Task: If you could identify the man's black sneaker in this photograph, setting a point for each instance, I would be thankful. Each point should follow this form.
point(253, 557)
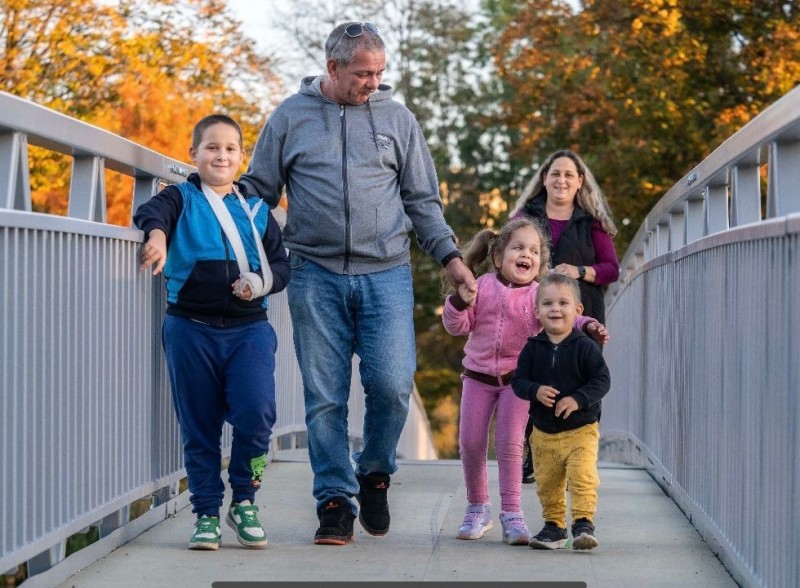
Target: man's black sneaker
point(374, 512)
point(583, 535)
point(335, 522)
point(550, 537)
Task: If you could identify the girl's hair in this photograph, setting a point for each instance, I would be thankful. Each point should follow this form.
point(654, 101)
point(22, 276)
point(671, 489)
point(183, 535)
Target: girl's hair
point(560, 280)
point(480, 252)
point(211, 120)
point(590, 197)
point(341, 47)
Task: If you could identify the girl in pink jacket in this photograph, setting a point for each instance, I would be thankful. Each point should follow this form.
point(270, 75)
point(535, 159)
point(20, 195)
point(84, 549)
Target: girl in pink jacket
point(498, 317)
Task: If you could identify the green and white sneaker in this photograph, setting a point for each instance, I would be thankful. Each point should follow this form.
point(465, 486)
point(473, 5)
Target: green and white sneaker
point(206, 534)
point(243, 518)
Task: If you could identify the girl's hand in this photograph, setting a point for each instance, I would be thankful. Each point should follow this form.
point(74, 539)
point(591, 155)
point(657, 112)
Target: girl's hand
point(547, 395)
point(598, 332)
point(467, 294)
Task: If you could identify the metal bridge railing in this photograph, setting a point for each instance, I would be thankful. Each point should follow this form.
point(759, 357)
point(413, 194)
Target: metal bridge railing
point(88, 427)
point(704, 351)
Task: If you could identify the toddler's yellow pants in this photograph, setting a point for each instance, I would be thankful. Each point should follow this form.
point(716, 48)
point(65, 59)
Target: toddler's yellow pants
point(562, 458)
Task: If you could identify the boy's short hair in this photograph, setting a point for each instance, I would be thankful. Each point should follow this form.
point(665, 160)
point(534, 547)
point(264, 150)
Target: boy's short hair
point(559, 280)
point(210, 121)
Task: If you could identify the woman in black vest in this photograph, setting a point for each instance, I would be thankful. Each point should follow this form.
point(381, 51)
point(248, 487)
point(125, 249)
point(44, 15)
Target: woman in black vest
point(565, 194)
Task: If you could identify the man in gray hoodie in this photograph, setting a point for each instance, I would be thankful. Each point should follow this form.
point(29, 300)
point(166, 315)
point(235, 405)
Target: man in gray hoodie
point(358, 177)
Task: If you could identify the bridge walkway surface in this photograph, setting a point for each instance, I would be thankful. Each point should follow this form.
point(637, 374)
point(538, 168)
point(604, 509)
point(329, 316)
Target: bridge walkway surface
point(645, 540)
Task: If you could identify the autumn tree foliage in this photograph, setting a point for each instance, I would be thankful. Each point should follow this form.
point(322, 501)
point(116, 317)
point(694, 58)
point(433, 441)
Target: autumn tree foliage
point(142, 69)
point(643, 89)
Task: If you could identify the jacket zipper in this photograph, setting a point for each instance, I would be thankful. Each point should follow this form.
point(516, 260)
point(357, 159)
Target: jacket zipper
point(345, 191)
point(553, 365)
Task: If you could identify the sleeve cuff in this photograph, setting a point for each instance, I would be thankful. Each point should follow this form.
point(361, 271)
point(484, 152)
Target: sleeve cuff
point(458, 302)
point(449, 257)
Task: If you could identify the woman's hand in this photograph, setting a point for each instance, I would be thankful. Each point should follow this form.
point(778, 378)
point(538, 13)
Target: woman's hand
point(566, 269)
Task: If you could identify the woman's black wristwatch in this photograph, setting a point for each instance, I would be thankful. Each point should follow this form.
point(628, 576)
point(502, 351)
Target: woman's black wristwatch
point(581, 272)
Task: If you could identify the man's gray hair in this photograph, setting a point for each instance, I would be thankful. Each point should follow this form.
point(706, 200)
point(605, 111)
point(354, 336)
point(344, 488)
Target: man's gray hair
point(341, 47)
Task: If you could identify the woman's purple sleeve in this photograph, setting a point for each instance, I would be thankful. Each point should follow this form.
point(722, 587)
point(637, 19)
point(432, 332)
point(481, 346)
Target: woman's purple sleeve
point(607, 266)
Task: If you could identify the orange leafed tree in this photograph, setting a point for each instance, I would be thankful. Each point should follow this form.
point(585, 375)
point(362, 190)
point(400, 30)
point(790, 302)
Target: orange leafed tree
point(144, 70)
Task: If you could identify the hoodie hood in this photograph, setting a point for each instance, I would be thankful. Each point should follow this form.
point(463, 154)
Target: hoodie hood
point(312, 86)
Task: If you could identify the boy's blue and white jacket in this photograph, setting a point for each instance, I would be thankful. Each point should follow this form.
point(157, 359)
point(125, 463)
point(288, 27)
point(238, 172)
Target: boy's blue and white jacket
point(201, 265)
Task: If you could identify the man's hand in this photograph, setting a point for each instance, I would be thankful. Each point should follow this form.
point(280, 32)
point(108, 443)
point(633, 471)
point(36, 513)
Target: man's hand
point(459, 275)
point(467, 295)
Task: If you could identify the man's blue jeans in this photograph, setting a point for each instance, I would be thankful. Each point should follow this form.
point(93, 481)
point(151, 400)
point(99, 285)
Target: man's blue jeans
point(333, 317)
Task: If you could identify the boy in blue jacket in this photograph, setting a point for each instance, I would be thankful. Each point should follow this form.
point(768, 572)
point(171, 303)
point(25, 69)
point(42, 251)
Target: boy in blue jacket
point(563, 373)
point(222, 253)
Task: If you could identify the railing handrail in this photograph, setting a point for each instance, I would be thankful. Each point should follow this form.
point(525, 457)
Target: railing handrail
point(63, 134)
point(708, 199)
point(93, 151)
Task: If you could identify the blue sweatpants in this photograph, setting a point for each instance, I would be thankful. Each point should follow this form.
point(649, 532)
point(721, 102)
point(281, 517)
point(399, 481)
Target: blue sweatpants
point(217, 375)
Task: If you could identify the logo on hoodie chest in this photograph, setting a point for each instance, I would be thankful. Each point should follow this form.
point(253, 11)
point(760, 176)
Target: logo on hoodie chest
point(383, 141)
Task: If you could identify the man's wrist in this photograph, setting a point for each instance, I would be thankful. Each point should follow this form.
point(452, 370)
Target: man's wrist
point(450, 257)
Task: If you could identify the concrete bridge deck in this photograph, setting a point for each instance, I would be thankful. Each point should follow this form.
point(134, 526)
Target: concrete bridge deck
point(645, 540)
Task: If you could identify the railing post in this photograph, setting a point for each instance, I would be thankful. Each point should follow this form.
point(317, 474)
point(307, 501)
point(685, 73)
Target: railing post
point(144, 188)
point(716, 219)
point(694, 216)
point(662, 238)
point(87, 191)
point(783, 172)
point(745, 195)
point(677, 230)
point(15, 185)
point(650, 249)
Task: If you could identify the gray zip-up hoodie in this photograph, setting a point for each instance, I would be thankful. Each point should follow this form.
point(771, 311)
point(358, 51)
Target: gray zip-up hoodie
point(358, 178)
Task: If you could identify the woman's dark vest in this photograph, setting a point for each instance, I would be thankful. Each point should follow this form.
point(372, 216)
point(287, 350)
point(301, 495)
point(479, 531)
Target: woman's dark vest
point(575, 247)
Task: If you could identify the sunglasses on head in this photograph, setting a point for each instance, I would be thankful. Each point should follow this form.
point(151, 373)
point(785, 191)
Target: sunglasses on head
point(356, 30)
